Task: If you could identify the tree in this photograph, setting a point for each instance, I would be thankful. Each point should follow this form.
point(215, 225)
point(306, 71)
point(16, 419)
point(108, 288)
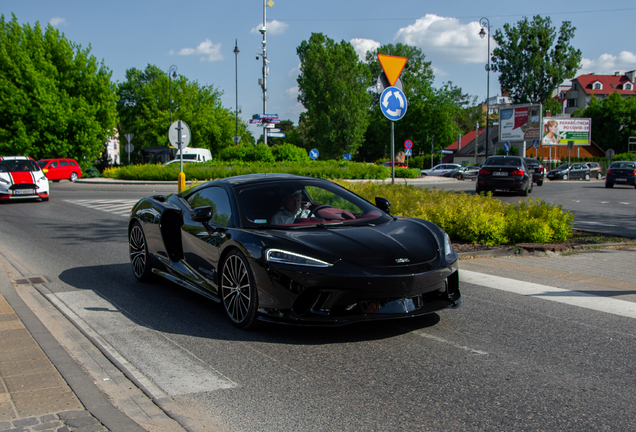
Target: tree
point(144, 110)
point(333, 88)
point(55, 99)
point(613, 121)
point(431, 113)
point(530, 63)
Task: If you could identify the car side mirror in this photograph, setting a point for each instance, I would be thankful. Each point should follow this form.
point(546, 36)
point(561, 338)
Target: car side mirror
point(383, 204)
point(201, 214)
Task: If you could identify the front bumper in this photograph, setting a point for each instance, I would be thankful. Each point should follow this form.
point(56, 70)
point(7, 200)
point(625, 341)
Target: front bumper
point(332, 300)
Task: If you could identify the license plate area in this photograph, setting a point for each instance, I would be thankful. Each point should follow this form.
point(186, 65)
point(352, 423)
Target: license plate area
point(500, 173)
point(23, 192)
point(621, 179)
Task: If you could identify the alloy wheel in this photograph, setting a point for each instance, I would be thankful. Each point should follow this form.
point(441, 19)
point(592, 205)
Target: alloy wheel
point(237, 291)
point(138, 252)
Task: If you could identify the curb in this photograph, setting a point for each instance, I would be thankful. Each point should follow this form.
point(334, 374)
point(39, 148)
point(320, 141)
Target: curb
point(533, 248)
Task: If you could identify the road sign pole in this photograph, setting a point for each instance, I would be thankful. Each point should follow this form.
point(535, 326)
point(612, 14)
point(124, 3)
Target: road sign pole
point(392, 153)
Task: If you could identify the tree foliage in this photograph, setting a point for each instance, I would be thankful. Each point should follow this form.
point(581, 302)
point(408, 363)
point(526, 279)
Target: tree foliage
point(432, 113)
point(613, 121)
point(333, 88)
point(144, 110)
point(532, 60)
point(55, 99)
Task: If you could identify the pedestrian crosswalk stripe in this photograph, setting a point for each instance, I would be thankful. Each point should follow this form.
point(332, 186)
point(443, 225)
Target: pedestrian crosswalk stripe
point(120, 207)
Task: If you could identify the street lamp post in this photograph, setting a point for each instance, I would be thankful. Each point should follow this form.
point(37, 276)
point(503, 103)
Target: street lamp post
point(486, 23)
point(236, 52)
point(172, 73)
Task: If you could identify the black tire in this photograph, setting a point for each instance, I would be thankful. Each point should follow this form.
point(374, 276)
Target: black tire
point(587, 177)
point(138, 253)
point(599, 176)
point(530, 189)
point(525, 192)
point(609, 185)
point(45, 199)
point(73, 177)
point(540, 183)
point(459, 177)
point(565, 176)
point(238, 291)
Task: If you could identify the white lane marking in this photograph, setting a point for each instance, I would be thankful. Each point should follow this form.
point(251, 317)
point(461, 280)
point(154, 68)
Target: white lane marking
point(173, 369)
point(117, 207)
point(604, 202)
point(592, 223)
point(442, 340)
point(624, 203)
point(574, 298)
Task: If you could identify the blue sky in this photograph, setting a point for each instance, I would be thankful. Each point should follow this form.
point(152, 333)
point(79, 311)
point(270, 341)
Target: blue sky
point(199, 37)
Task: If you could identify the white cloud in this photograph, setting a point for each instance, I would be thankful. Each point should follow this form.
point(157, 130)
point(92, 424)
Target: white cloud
point(291, 93)
point(363, 45)
point(57, 22)
point(210, 51)
point(295, 111)
point(273, 28)
point(446, 40)
point(294, 72)
point(607, 64)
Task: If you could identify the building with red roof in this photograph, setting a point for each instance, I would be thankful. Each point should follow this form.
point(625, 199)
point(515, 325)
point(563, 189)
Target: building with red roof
point(601, 86)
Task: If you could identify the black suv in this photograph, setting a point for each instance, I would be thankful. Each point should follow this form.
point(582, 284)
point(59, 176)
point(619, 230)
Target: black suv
point(505, 173)
point(537, 169)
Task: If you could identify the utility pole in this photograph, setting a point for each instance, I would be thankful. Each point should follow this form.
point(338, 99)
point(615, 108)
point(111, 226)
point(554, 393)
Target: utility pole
point(265, 67)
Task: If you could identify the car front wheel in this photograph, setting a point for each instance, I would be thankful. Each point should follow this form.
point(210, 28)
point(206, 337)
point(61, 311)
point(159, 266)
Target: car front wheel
point(565, 176)
point(238, 291)
point(73, 177)
point(587, 176)
point(138, 252)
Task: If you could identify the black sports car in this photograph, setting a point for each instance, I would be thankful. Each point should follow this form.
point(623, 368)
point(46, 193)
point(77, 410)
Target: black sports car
point(294, 249)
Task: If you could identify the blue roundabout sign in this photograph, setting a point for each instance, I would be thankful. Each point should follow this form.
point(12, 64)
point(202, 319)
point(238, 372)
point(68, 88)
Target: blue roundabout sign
point(393, 103)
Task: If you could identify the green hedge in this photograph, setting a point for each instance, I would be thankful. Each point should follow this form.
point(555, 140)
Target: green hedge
point(220, 169)
point(474, 218)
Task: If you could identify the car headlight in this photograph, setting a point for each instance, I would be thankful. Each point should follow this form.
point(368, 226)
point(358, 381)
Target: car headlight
point(448, 248)
point(286, 257)
point(4, 181)
point(43, 178)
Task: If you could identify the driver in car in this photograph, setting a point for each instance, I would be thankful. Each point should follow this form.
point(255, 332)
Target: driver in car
point(291, 209)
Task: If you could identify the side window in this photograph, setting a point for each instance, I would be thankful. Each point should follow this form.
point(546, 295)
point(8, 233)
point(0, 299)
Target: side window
point(216, 198)
point(53, 164)
point(72, 163)
point(63, 163)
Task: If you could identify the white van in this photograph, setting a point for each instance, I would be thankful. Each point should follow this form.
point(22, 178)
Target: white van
point(194, 155)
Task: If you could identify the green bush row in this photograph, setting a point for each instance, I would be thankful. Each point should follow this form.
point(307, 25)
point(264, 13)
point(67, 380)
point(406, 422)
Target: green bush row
point(474, 218)
point(220, 169)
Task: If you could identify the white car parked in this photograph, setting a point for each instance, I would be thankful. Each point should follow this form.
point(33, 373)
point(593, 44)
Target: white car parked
point(22, 178)
point(440, 169)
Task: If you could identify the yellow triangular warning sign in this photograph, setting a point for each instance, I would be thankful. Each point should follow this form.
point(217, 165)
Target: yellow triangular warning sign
point(392, 66)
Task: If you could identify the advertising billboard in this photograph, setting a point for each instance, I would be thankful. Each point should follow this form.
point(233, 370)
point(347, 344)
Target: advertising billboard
point(520, 123)
point(560, 131)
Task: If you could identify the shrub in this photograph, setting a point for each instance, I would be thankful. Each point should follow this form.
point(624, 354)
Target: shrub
point(290, 153)
point(473, 218)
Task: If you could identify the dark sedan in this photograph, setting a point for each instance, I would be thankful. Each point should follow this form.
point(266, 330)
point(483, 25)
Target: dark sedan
point(570, 171)
point(538, 170)
point(463, 173)
point(293, 249)
point(509, 173)
point(621, 173)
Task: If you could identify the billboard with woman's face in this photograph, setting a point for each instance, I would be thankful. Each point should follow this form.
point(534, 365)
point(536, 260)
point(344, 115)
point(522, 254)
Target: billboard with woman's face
point(560, 131)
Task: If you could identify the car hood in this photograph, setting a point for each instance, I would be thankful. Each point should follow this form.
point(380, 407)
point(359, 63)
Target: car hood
point(400, 242)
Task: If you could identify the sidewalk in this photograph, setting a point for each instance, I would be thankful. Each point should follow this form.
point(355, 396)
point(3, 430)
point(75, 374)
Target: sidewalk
point(49, 386)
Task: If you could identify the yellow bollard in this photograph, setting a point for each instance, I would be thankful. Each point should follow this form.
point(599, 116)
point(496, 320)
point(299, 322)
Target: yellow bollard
point(181, 180)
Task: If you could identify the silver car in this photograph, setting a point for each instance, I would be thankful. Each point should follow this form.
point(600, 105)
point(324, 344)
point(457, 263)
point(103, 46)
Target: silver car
point(440, 169)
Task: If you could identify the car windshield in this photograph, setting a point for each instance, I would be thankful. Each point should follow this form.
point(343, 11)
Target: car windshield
point(503, 161)
point(532, 162)
point(563, 167)
point(20, 165)
point(627, 165)
point(317, 203)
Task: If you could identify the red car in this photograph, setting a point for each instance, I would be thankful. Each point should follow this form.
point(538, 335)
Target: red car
point(397, 164)
point(60, 169)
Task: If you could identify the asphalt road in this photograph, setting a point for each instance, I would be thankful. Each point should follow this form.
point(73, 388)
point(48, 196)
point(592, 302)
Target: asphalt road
point(500, 362)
